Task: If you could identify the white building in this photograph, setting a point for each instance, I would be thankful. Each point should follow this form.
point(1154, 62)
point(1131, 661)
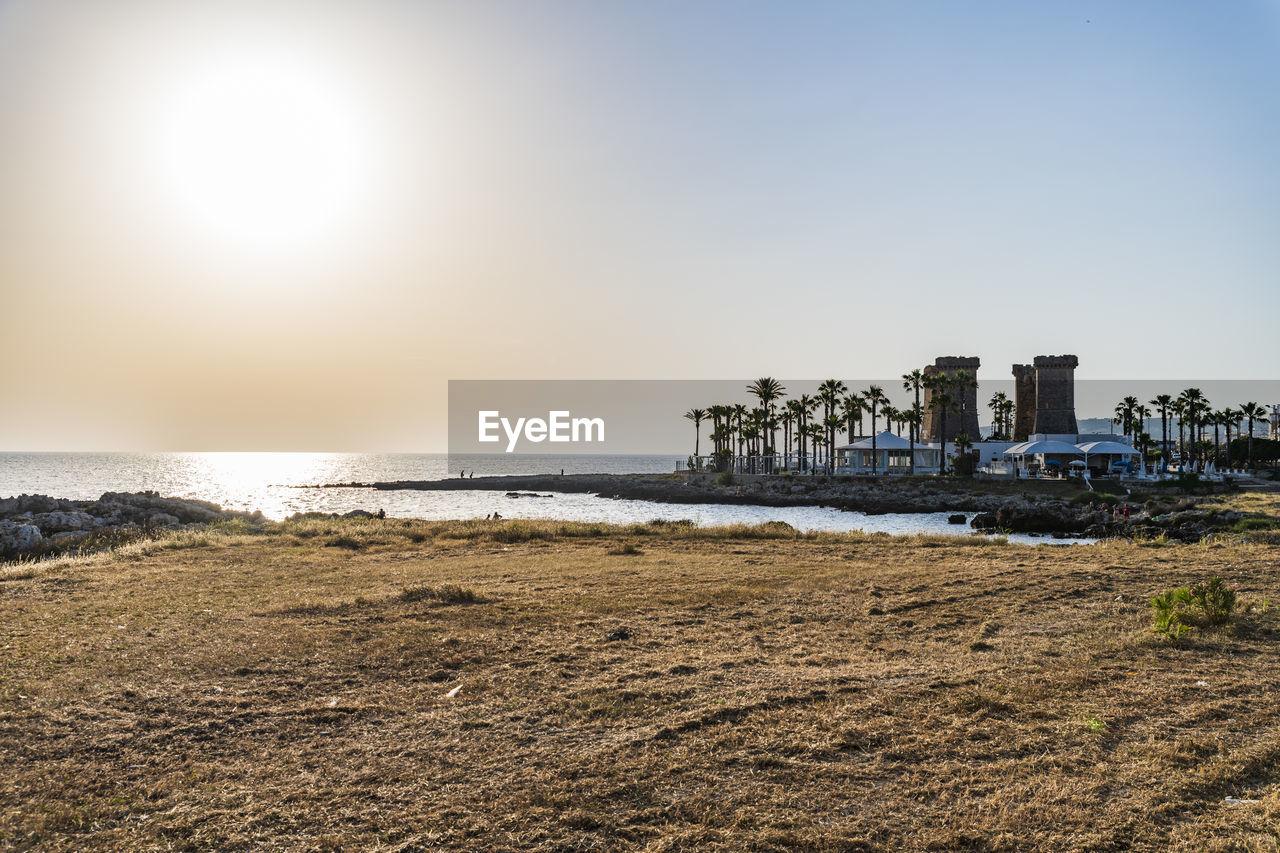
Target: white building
point(892, 455)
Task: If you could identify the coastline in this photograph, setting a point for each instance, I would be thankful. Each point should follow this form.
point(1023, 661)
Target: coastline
point(1056, 507)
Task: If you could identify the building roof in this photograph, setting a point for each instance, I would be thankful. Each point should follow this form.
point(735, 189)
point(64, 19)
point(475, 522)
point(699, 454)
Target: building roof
point(1113, 447)
point(884, 441)
point(1028, 448)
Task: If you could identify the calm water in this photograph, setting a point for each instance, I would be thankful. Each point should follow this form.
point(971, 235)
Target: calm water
point(281, 484)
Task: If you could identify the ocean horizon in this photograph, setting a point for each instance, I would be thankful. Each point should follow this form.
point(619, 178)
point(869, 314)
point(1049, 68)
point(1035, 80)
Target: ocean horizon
point(281, 484)
point(272, 481)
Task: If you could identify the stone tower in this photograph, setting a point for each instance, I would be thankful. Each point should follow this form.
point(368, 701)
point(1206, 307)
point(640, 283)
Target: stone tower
point(1024, 401)
point(1055, 395)
point(966, 401)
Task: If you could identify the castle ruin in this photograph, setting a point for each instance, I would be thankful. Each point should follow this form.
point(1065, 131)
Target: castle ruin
point(1024, 400)
point(962, 417)
point(1045, 397)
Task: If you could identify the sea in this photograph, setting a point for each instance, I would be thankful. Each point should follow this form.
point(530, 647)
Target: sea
point(281, 484)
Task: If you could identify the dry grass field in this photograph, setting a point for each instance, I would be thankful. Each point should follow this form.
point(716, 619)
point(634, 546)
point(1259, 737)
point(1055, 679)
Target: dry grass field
point(396, 685)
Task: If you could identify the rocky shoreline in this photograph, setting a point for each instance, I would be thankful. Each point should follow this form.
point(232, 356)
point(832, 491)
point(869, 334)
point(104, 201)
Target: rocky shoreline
point(39, 523)
point(1061, 509)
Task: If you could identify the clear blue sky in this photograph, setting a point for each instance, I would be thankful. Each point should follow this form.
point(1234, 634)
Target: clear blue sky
point(612, 190)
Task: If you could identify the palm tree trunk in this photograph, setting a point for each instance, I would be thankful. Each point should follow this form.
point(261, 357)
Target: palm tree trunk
point(942, 414)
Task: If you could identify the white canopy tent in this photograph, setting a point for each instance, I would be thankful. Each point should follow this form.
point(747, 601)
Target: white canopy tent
point(1107, 448)
point(892, 455)
point(1019, 453)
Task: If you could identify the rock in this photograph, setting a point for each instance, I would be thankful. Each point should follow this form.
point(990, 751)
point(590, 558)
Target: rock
point(358, 513)
point(620, 634)
point(17, 536)
point(984, 521)
point(162, 519)
point(60, 521)
point(956, 518)
point(32, 504)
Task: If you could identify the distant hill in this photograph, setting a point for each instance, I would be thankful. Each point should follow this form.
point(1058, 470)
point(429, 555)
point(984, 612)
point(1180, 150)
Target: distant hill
point(1100, 425)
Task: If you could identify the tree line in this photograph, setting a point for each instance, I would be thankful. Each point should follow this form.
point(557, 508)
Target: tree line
point(1194, 416)
point(810, 423)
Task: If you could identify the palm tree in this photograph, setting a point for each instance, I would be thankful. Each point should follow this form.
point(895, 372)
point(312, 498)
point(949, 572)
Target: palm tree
point(1007, 410)
point(914, 417)
point(850, 410)
point(739, 412)
point(1230, 419)
point(1163, 402)
point(806, 405)
point(697, 416)
point(1124, 414)
point(937, 383)
point(767, 390)
point(787, 417)
point(1140, 415)
point(720, 434)
point(997, 406)
point(962, 381)
point(861, 410)
point(963, 445)
point(795, 409)
point(1214, 419)
point(831, 424)
point(874, 397)
point(816, 431)
point(914, 381)
point(1252, 411)
point(1195, 404)
point(829, 393)
point(943, 402)
point(750, 433)
point(1143, 442)
point(1179, 410)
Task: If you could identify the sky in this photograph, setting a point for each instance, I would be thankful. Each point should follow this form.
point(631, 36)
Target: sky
point(285, 226)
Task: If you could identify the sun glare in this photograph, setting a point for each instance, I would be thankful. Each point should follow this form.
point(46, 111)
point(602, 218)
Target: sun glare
point(264, 152)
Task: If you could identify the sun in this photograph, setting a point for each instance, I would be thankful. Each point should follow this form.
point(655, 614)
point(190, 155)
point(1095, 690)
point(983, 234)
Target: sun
point(262, 151)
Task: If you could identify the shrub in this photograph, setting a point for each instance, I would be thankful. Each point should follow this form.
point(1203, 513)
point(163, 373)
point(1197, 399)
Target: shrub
point(1246, 525)
point(1205, 604)
point(627, 550)
point(725, 479)
point(450, 593)
point(1169, 609)
point(1214, 600)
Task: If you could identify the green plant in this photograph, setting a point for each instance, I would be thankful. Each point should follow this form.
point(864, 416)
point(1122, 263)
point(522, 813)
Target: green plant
point(1246, 525)
point(1214, 600)
point(1205, 604)
point(725, 479)
point(1170, 607)
point(1096, 725)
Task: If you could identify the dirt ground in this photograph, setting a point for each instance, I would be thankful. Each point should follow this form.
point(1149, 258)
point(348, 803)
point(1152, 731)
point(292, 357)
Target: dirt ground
point(397, 685)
